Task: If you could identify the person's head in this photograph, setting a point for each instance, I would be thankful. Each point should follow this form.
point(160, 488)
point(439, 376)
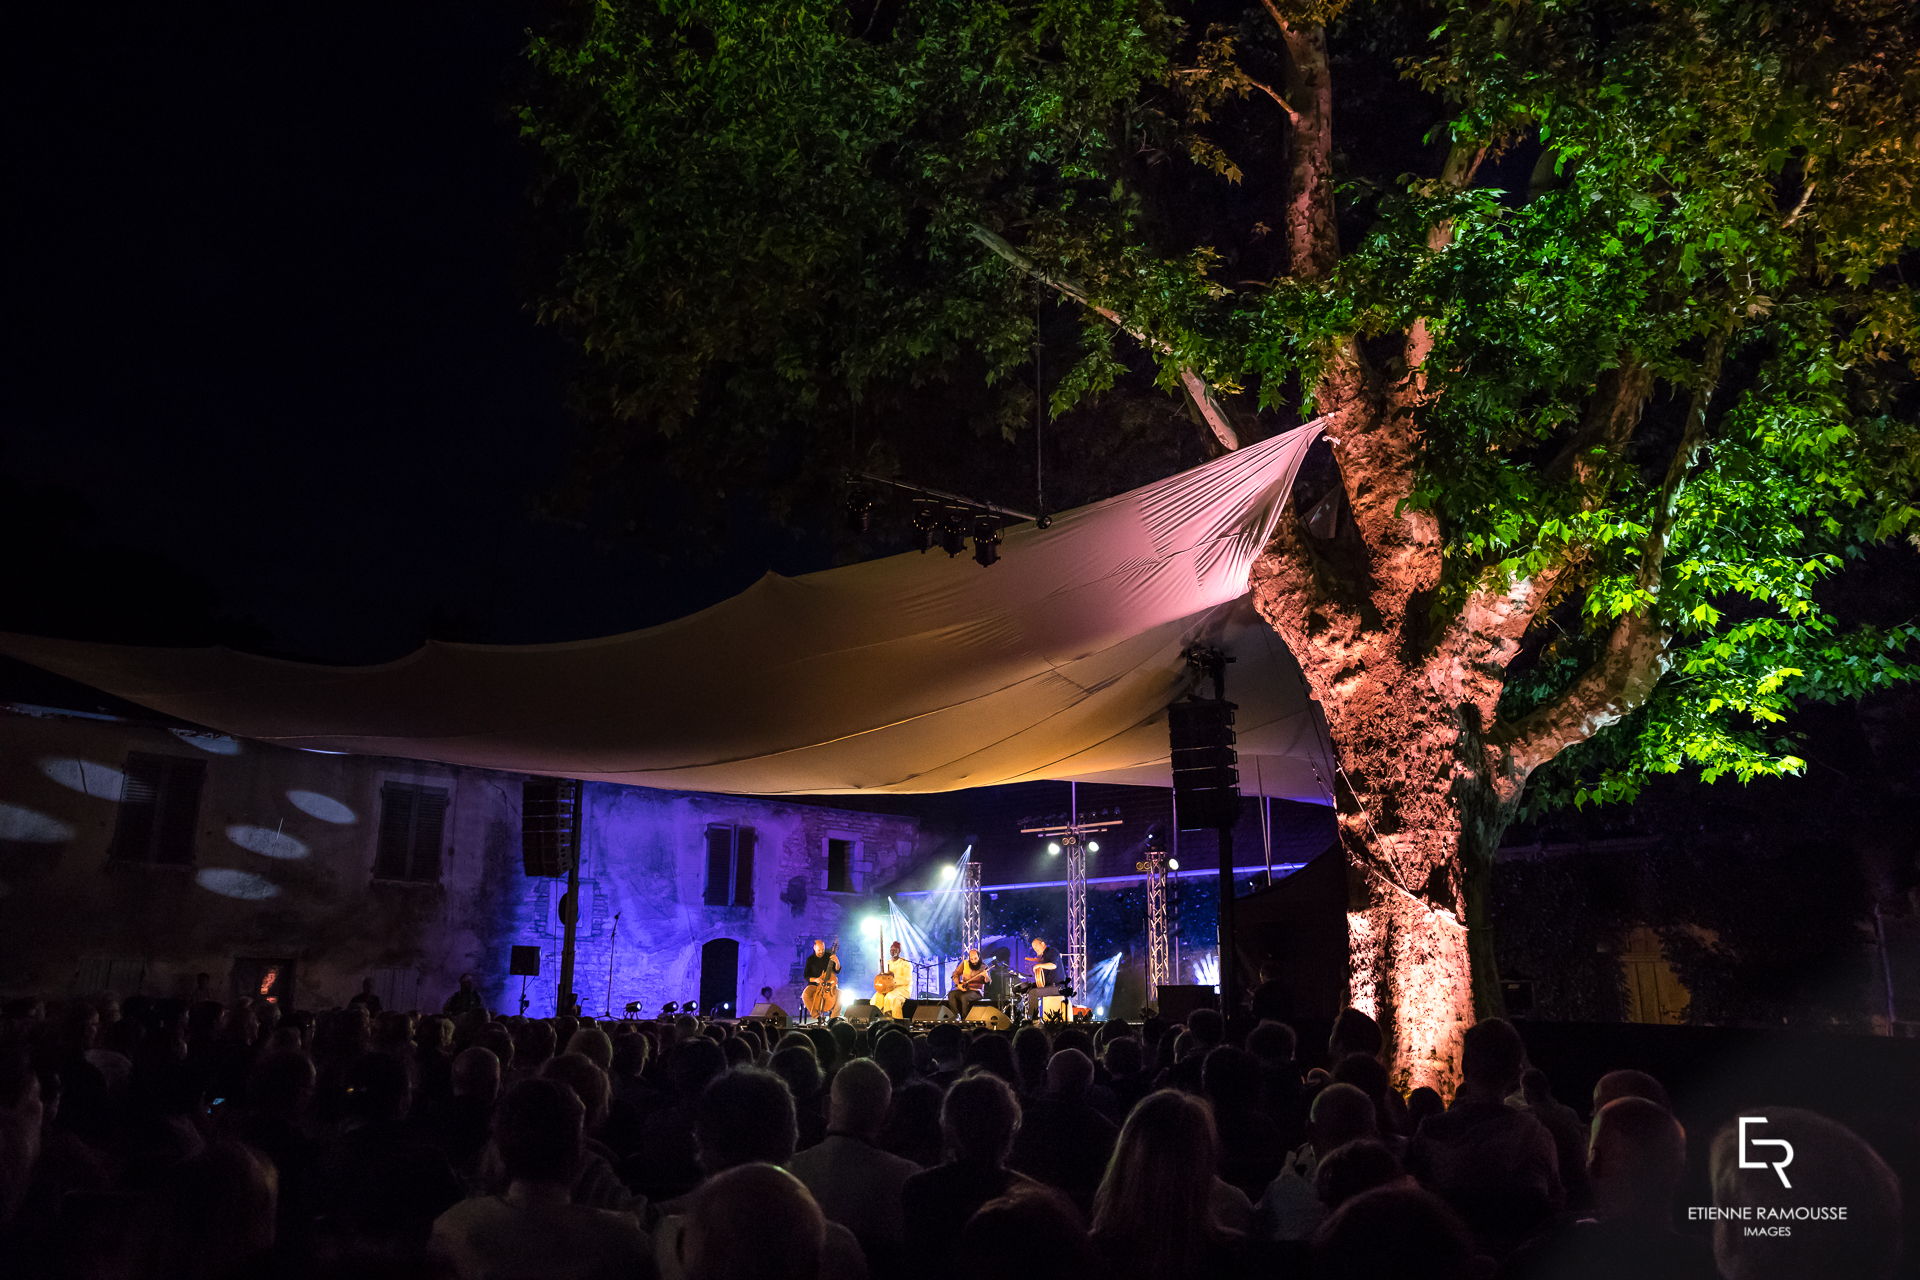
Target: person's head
point(1422, 1104)
point(1124, 1057)
point(497, 1040)
point(366, 984)
point(979, 1118)
point(745, 1117)
point(945, 1039)
point(466, 981)
point(861, 1095)
point(379, 1088)
point(630, 1053)
point(1629, 1084)
point(1030, 1050)
point(1340, 1114)
point(1230, 1078)
point(1273, 1043)
point(1535, 1088)
point(1353, 1032)
point(1051, 1240)
point(1039, 945)
point(893, 1053)
point(1355, 1167)
point(1069, 1075)
point(894, 951)
point(819, 946)
point(800, 1068)
point(754, 1222)
point(1635, 1156)
point(588, 1082)
point(222, 1208)
point(1827, 1164)
point(1207, 1028)
point(281, 1084)
point(1492, 1057)
point(973, 956)
point(535, 1043)
point(593, 1044)
point(1155, 1200)
point(686, 1026)
point(1393, 1231)
point(540, 1130)
point(692, 1064)
point(476, 1074)
point(993, 1052)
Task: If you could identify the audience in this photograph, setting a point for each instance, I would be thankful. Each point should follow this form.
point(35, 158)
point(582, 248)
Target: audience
point(207, 1141)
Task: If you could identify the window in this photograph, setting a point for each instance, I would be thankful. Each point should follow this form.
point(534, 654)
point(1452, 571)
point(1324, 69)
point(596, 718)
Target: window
point(413, 823)
point(260, 978)
point(159, 810)
point(729, 866)
point(839, 866)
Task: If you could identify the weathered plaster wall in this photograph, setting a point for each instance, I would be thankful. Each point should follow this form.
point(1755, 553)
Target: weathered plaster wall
point(284, 847)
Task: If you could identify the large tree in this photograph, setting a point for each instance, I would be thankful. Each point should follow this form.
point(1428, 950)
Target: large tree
point(1602, 304)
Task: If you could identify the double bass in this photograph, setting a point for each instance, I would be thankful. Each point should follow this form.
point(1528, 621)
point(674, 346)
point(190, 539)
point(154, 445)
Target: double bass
point(822, 995)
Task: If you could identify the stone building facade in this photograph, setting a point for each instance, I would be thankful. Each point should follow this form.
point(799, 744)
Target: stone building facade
point(136, 855)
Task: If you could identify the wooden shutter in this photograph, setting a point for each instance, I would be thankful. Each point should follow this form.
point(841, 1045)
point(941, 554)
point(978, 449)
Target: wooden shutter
point(396, 831)
point(159, 809)
point(139, 807)
point(429, 833)
point(179, 811)
point(719, 866)
point(743, 866)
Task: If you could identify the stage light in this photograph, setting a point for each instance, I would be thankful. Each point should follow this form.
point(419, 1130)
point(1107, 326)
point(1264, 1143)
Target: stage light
point(727, 1007)
point(859, 512)
point(689, 1006)
point(1093, 846)
point(949, 871)
point(669, 1007)
point(1053, 847)
point(1173, 864)
point(953, 537)
point(874, 926)
point(986, 542)
point(924, 523)
point(1101, 1012)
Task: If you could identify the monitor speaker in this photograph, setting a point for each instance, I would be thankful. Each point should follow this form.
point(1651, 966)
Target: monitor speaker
point(525, 962)
point(989, 1017)
point(771, 1012)
point(861, 1011)
point(931, 1011)
point(1176, 1002)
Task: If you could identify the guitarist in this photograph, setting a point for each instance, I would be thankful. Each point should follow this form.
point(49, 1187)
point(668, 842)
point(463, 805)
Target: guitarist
point(1046, 976)
point(822, 970)
point(969, 979)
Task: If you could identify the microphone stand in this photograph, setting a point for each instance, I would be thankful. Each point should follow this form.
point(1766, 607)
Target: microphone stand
point(613, 945)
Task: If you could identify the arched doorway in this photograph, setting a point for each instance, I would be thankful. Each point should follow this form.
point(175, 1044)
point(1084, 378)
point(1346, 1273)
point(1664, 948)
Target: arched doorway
point(720, 976)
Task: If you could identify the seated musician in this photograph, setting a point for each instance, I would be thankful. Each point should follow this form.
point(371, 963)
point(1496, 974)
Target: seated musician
point(969, 980)
point(1046, 976)
point(820, 967)
point(892, 1003)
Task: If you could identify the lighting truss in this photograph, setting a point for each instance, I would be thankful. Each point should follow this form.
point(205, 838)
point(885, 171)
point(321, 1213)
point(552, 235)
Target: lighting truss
point(1159, 959)
point(969, 907)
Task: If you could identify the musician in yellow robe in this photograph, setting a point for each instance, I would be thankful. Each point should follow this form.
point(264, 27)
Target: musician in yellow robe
point(892, 1003)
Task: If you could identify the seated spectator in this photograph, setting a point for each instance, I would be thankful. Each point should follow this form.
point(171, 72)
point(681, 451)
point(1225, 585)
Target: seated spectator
point(221, 1211)
point(978, 1121)
point(1393, 1232)
point(855, 1183)
point(1369, 1075)
point(667, 1165)
point(1124, 1061)
point(1048, 1232)
point(1275, 1048)
point(1355, 1167)
point(755, 1222)
point(1157, 1215)
point(1569, 1135)
point(1291, 1207)
point(1629, 1084)
point(801, 1070)
point(912, 1131)
point(593, 1044)
point(534, 1230)
point(1831, 1166)
point(463, 1123)
point(993, 1052)
point(1064, 1141)
point(1422, 1103)
point(1250, 1150)
point(946, 1045)
point(746, 1117)
point(1638, 1155)
point(1494, 1164)
point(596, 1184)
point(380, 1179)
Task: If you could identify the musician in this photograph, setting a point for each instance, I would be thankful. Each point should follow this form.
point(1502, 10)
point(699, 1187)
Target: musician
point(819, 965)
point(969, 979)
point(892, 1004)
point(1046, 976)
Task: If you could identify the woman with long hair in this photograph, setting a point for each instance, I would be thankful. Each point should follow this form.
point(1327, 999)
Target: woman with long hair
point(1155, 1214)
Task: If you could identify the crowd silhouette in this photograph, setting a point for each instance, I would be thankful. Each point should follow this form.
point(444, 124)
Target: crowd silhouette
point(196, 1140)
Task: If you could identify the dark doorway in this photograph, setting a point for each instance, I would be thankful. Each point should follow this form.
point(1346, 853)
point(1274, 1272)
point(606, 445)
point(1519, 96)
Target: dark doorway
point(720, 976)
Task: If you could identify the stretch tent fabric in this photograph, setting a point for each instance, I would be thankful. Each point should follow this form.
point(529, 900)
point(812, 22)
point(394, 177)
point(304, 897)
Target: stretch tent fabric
point(913, 673)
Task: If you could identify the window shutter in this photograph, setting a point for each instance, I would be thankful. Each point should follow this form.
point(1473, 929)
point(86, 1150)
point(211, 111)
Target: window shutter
point(178, 812)
point(743, 866)
point(719, 866)
point(396, 831)
point(139, 806)
point(429, 833)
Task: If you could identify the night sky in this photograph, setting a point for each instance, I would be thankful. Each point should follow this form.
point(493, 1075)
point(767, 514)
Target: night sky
point(280, 385)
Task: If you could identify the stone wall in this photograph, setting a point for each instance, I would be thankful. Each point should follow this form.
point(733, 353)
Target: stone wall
point(281, 879)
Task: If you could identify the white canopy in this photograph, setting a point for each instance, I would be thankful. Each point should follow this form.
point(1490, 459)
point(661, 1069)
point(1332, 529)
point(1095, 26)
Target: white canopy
point(917, 672)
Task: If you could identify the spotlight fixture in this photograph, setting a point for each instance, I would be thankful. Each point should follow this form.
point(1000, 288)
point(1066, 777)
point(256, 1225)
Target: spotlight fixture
point(667, 1008)
point(689, 1006)
point(948, 872)
point(1093, 846)
point(859, 511)
point(1173, 864)
point(1053, 847)
point(953, 536)
point(986, 542)
point(925, 521)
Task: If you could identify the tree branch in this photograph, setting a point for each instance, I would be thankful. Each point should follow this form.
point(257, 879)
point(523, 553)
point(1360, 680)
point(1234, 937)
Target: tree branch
point(1199, 394)
point(1457, 173)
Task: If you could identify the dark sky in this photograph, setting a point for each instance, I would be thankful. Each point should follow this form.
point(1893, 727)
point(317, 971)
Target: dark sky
point(279, 384)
